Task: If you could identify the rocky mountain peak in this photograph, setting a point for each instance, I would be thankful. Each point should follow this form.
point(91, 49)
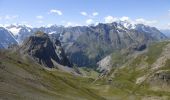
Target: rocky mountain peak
point(45, 51)
point(6, 38)
point(40, 34)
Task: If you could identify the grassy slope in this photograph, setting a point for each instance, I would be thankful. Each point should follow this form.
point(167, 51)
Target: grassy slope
point(123, 85)
point(27, 80)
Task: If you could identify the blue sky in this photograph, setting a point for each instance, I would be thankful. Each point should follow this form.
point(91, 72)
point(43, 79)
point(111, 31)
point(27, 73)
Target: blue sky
point(84, 12)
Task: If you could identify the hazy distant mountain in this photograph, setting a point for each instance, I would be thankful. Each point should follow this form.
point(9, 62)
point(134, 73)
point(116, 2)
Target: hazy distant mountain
point(166, 32)
point(70, 34)
point(20, 32)
point(6, 38)
point(86, 45)
point(151, 31)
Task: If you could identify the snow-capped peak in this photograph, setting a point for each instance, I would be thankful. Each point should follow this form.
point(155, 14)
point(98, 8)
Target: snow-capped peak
point(15, 31)
point(127, 24)
point(52, 32)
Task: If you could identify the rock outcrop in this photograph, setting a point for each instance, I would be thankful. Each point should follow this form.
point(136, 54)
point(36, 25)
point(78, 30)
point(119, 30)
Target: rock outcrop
point(45, 51)
point(105, 64)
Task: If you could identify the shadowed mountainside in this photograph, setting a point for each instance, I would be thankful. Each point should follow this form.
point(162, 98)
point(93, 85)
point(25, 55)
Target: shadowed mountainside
point(45, 50)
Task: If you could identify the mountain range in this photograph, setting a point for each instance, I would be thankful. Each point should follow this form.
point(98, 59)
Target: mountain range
point(115, 61)
point(87, 45)
point(34, 70)
point(68, 34)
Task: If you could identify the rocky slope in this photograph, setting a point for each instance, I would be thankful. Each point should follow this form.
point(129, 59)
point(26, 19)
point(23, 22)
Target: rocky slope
point(120, 57)
point(45, 51)
point(22, 78)
point(142, 75)
point(103, 39)
point(138, 72)
point(139, 75)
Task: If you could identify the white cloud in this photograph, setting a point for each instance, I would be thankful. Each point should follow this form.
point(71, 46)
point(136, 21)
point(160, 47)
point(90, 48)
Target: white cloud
point(1, 25)
point(55, 11)
point(24, 22)
point(96, 23)
point(28, 25)
point(146, 22)
point(40, 21)
point(39, 17)
point(163, 26)
point(89, 21)
point(89, 15)
point(83, 13)
point(95, 13)
point(169, 25)
point(110, 19)
point(15, 16)
point(49, 25)
point(68, 24)
point(124, 18)
point(8, 17)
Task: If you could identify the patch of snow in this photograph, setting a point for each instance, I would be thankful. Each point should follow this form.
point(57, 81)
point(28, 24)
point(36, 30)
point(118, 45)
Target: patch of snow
point(29, 30)
point(52, 32)
point(117, 31)
point(133, 26)
point(1, 25)
point(14, 30)
point(119, 27)
point(27, 25)
point(61, 35)
point(126, 25)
